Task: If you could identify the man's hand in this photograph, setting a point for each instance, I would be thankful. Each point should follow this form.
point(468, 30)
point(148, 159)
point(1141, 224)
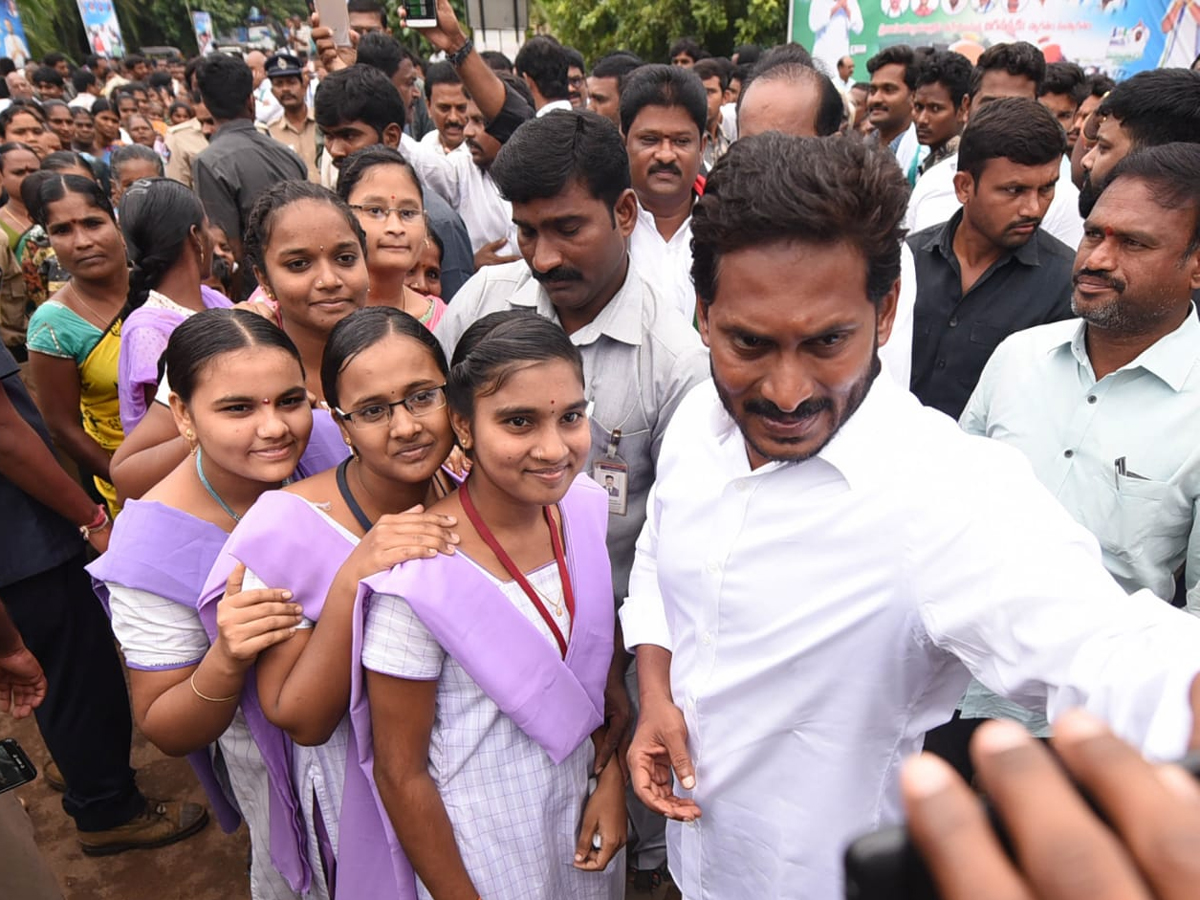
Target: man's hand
point(333, 57)
point(660, 746)
point(618, 713)
point(447, 35)
point(489, 254)
point(1151, 849)
point(22, 683)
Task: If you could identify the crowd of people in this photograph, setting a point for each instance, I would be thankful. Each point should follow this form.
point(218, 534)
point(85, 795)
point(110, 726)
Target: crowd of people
point(540, 479)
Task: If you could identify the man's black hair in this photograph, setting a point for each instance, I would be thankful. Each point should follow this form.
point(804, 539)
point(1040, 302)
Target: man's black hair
point(747, 54)
point(1159, 106)
point(773, 187)
point(1017, 58)
point(1014, 128)
point(1172, 173)
point(161, 79)
point(91, 60)
point(1095, 85)
point(54, 58)
point(358, 94)
point(82, 79)
point(710, 68)
point(949, 69)
point(662, 85)
point(575, 58)
point(1063, 78)
point(791, 63)
point(368, 6)
point(546, 155)
point(896, 55)
point(47, 75)
point(439, 73)
point(616, 65)
point(686, 46)
point(497, 61)
point(381, 51)
point(226, 84)
point(544, 61)
point(134, 59)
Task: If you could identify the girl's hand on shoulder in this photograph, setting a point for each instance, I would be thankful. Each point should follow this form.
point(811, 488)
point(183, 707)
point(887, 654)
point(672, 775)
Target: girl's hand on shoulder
point(248, 622)
point(399, 537)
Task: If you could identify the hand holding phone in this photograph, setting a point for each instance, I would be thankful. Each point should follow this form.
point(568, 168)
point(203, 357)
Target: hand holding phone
point(15, 767)
point(420, 13)
point(1101, 810)
point(336, 17)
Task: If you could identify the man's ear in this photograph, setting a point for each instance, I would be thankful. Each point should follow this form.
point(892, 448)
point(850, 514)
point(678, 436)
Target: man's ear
point(391, 135)
point(625, 212)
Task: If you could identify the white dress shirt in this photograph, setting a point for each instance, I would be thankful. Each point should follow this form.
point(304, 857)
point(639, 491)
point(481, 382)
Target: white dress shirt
point(933, 201)
point(665, 264)
point(553, 105)
point(823, 615)
point(1146, 413)
point(467, 188)
point(433, 139)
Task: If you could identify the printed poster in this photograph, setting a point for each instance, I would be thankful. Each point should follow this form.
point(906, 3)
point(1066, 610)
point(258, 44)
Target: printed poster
point(202, 24)
point(16, 47)
point(103, 30)
point(1120, 37)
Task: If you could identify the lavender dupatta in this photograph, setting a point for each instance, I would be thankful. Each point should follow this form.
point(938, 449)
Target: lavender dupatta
point(165, 551)
point(287, 544)
point(557, 703)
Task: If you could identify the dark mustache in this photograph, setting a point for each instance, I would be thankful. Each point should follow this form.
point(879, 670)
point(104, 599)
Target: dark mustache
point(1115, 283)
point(805, 410)
point(559, 274)
point(665, 167)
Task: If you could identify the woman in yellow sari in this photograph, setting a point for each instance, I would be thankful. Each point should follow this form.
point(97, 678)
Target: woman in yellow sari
point(74, 337)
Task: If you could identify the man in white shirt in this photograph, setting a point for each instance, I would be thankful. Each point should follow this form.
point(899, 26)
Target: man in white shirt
point(542, 63)
point(267, 109)
point(825, 562)
point(1004, 70)
point(1116, 429)
point(663, 114)
point(832, 22)
point(889, 106)
point(448, 104)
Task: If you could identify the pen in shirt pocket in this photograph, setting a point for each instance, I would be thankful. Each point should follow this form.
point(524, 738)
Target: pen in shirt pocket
point(1120, 469)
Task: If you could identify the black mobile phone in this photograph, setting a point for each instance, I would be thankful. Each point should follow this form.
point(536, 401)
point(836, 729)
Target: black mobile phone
point(15, 767)
point(885, 865)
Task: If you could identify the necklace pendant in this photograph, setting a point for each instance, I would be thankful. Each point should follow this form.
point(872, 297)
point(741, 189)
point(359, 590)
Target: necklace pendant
point(558, 611)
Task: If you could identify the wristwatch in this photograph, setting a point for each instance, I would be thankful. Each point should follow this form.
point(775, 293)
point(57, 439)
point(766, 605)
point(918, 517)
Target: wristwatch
point(459, 56)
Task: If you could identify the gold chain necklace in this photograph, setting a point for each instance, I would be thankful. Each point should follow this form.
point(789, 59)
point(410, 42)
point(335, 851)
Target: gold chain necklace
point(98, 317)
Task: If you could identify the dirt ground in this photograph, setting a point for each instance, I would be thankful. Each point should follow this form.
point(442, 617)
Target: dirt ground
point(208, 866)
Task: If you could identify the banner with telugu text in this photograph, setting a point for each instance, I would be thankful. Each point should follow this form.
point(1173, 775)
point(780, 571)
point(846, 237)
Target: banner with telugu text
point(103, 29)
point(1119, 37)
point(16, 47)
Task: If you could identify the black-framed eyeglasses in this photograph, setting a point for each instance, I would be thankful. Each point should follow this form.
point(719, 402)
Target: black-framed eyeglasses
point(418, 404)
point(380, 213)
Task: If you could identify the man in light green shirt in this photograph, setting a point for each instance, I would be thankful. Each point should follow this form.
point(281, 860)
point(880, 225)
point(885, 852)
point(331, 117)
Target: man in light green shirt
point(1107, 407)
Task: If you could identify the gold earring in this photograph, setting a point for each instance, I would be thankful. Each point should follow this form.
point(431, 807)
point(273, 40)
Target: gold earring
point(190, 437)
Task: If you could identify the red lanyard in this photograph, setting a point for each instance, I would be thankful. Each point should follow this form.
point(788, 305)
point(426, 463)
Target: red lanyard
point(560, 558)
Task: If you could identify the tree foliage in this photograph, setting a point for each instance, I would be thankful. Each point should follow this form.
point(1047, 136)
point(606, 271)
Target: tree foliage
point(55, 24)
point(647, 27)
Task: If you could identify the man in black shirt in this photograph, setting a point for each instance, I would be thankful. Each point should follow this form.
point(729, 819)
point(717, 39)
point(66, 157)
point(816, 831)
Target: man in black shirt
point(991, 270)
point(239, 161)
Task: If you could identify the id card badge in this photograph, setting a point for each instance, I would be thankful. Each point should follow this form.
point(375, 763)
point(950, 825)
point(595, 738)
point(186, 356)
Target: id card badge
point(611, 472)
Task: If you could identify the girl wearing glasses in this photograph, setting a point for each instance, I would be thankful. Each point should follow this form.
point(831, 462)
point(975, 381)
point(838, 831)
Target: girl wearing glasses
point(385, 193)
point(384, 376)
point(483, 672)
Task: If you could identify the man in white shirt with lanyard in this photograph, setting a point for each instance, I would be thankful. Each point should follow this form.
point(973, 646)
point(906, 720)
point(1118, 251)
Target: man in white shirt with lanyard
point(825, 562)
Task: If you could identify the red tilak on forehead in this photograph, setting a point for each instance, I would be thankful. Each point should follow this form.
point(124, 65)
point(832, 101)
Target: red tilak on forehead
point(1108, 232)
point(266, 400)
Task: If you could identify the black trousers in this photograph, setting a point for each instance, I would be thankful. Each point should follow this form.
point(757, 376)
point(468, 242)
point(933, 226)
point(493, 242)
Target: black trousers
point(85, 718)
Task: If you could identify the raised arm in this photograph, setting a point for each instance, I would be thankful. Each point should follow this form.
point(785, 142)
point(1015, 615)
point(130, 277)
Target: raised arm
point(148, 453)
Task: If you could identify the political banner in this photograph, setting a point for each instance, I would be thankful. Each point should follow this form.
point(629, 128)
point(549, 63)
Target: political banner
point(16, 47)
point(202, 25)
point(103, 30)
point(1119, 37)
